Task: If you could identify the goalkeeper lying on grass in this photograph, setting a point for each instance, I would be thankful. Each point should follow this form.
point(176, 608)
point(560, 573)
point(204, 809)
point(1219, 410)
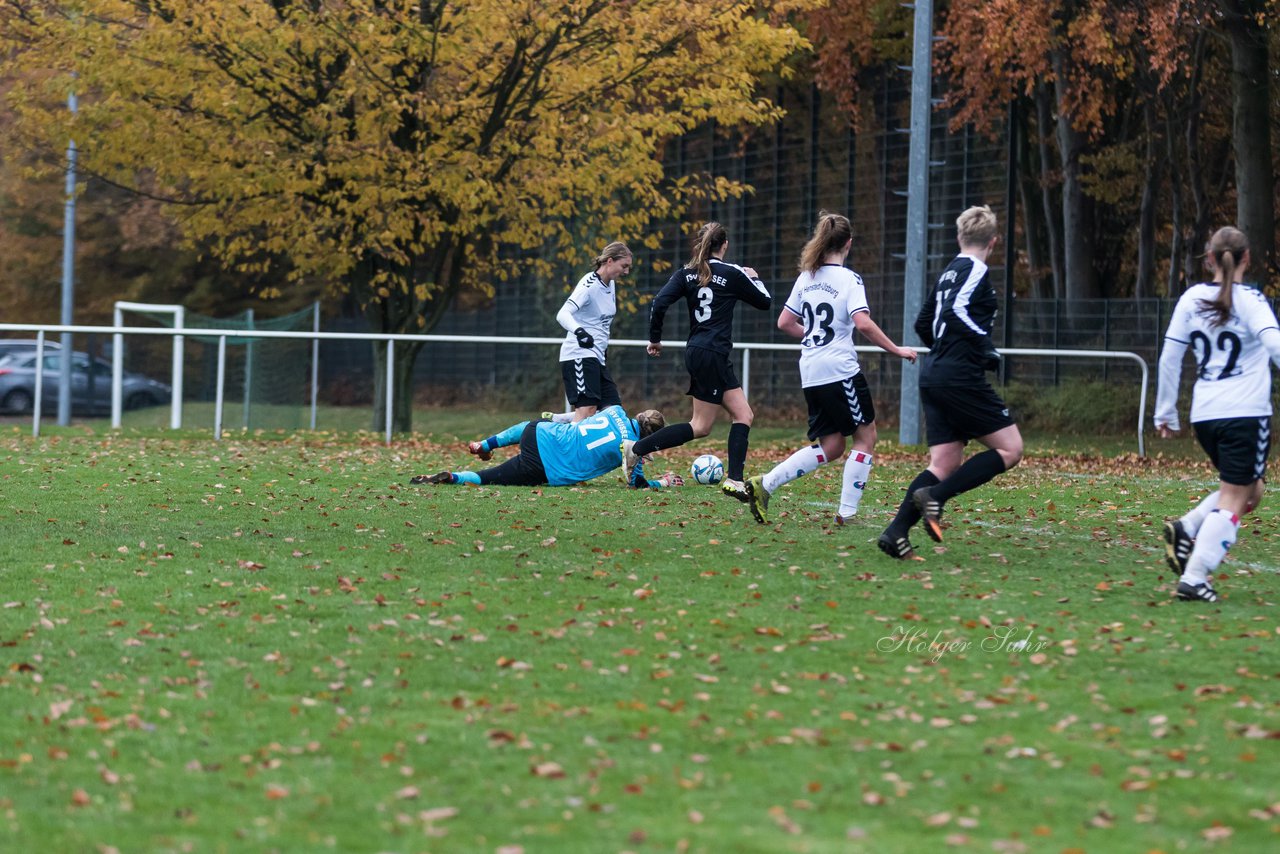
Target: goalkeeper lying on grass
point(559, 454)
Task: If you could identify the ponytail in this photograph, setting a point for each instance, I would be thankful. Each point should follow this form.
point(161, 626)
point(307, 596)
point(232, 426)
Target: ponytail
point(830, 235)
point(711, 237)
point(1225, 256)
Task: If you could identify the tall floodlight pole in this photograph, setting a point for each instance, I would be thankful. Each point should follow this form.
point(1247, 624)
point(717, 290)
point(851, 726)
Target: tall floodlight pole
point(68, 279)
point(917, 214)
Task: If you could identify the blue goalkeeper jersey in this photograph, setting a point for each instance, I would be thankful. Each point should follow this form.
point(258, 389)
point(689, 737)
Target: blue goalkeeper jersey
point(572, 453)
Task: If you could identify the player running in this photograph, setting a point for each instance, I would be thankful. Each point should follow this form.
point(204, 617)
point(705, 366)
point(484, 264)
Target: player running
point(559, 454)
point(586, 316)
point(959, 403)
point(827, 303)
point(711, 288)
point(1231, 331)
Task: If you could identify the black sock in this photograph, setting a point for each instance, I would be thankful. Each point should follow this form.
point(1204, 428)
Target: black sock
point(738, 443)
point(975, 472)
point(668, 437)
point(908, 515)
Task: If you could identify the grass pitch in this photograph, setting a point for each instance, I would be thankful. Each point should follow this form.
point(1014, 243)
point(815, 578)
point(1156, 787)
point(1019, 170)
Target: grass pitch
point(274, 643)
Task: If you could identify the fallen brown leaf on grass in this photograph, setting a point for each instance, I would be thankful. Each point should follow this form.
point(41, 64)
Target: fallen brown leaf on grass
point(548, 770)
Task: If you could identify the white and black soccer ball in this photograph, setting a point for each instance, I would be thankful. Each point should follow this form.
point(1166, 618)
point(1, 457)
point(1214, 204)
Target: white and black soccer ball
point(708, 469)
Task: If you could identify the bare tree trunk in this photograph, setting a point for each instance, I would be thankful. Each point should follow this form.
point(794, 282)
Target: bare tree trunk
point(1147, 209)
point(1077, 235)
point(1176, 224)
point(404, 356)
point(392, 311)
point(1195, 170)
point(1251, 128)
point(1030, 196)
point(1044, 121)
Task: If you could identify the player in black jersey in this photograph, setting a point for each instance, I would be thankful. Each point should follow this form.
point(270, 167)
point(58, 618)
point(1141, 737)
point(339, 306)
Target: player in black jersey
point(711, 289)
point(959, 403)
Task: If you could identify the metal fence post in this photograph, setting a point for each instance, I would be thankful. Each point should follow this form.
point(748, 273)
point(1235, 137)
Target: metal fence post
point(391, 365)
point(220, 388)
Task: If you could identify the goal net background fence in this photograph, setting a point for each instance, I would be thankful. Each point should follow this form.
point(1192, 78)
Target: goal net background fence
point(268, 384)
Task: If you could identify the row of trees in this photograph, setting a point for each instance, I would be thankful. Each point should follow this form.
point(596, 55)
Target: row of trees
point(401, 154)
point(1140, 124)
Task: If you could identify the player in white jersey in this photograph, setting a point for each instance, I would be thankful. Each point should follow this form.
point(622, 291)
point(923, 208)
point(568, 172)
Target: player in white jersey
point(1233, 336)
point(586, 316)
point(827, 303)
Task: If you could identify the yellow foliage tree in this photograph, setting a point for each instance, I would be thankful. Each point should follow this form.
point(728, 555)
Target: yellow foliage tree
point(397, 150)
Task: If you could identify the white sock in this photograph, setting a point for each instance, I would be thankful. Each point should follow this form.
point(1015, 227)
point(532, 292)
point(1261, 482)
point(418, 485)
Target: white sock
point(1217, 535)
point(797, 465)
point(562, 417)
point(857, 469)
point(1195, 517)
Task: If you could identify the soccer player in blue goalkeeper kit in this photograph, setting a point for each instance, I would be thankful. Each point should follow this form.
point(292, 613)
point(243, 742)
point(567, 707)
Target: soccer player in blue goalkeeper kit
point(559, 454)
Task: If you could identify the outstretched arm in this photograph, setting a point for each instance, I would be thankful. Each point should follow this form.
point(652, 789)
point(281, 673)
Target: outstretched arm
point(753, 291)
point(872, 332)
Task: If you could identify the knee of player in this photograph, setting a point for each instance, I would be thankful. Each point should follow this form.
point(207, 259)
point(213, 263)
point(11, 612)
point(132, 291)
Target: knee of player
point(864, 439)
point(1011, 456)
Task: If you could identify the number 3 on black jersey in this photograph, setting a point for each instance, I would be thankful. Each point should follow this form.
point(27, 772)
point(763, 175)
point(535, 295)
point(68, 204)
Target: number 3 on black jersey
point(703, 312)
point(817, 324)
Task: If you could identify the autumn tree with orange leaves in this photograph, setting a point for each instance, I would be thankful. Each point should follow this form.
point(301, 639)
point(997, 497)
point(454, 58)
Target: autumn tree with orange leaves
point(1103, 73)
point(1141, 125)
point(402, 152)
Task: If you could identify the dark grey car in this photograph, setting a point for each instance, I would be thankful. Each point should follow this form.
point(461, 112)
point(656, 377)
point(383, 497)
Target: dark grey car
point(90, 384)
point(25, 345)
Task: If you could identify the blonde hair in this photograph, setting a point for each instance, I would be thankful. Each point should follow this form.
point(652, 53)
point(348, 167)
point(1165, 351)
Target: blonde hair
point(615, 250)
point(650, 421)
point(830, 235)
point(711, 237)
point(976, 226)
point(1225, 251)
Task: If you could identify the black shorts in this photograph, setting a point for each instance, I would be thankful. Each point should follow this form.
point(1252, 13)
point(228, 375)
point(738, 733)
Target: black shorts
point(710, 374)
point(525, 468)
point(839, 407)
point(587, 383)
point(958, 414)
point(1238, 447)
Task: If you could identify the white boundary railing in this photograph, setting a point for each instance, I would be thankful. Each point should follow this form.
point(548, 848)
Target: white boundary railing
point(390, 338)
point(117, 365)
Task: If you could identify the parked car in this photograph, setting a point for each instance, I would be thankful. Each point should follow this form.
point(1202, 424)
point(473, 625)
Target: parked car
point(90, 384)
point(25, 345)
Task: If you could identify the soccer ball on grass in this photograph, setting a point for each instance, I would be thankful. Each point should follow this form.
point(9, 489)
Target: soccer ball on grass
point(708, 469)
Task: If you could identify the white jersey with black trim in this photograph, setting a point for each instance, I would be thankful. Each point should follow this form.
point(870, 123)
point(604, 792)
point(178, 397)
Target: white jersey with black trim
point(826, 302)
point(1233, 377)
point(592, 306)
